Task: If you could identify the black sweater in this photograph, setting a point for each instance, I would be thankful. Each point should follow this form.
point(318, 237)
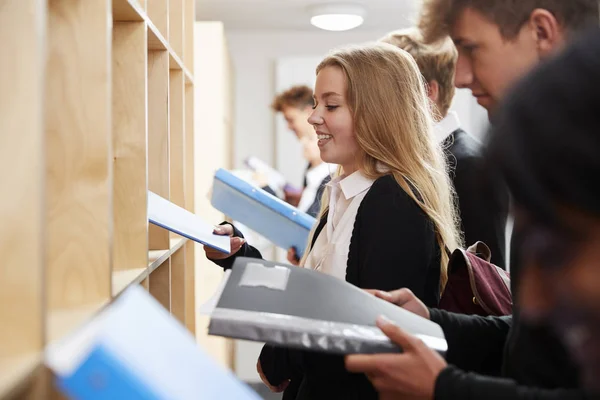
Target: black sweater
point(393, 245)
point(520, 361)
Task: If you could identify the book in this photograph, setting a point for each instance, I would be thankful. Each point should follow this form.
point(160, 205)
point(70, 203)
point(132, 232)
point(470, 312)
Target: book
point(167, 215)
point(282, 224)
point(296, 307)
point(134, 349)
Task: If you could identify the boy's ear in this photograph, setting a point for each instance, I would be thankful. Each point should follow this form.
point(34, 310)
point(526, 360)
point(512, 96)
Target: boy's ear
point(433, 91)
point(547, 31)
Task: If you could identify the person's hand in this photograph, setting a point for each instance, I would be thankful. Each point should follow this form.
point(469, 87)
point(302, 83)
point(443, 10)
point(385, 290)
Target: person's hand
point(275, 389)
point(292, 196)
point(407, 375)
point(404, 298)
point(292, 257)
point(236, 243)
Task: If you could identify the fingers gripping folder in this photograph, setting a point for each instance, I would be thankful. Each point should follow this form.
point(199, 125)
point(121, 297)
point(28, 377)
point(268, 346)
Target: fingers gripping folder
point(302, 308)
point(281, 223)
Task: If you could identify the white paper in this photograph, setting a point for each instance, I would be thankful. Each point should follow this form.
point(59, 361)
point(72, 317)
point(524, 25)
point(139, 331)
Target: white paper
point(259, 275)
point(276, 180)
point(176, 219)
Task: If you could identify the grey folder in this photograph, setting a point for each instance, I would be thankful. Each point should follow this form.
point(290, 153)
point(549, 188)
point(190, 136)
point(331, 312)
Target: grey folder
point(296, 307)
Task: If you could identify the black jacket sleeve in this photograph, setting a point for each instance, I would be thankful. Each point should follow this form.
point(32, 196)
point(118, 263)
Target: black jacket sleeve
point(396, 244)
point(453, 383)
point(245, 251)
point(474, 343)
point(483, 205)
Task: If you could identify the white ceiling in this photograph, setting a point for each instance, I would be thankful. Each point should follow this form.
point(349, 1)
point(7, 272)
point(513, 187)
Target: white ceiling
point(293, 14)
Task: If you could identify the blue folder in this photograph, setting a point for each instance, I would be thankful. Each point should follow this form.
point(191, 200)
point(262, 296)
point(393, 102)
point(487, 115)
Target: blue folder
point(271, 217)
point(136, 350)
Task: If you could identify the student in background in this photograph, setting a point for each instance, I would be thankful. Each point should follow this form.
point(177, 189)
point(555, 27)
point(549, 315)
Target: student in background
point(386, 215)
point(296, 106)
point(498, 42)
point(483, 206)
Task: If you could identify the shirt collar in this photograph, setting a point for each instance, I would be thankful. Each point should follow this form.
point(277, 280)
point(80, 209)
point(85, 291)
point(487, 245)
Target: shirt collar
point(445, 127)
point(352, 184)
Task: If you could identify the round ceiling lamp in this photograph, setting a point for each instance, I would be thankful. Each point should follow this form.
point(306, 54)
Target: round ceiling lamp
point(337, 16)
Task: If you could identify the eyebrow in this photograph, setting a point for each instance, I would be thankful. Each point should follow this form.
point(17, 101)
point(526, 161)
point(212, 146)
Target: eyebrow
point(329, 94)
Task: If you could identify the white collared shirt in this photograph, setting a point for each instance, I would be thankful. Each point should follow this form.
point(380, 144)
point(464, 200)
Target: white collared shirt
point(445, 127)
point(330, 252)
point(314, 177)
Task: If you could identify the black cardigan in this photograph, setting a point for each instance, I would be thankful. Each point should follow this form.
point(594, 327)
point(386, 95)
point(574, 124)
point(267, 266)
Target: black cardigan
point(393, 245)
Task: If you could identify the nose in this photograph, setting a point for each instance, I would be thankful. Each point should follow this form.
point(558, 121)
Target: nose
point(463, 77)
point(315, 117)
point(536, 296)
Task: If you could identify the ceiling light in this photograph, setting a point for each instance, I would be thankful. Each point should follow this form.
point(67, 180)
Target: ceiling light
point(337, 17)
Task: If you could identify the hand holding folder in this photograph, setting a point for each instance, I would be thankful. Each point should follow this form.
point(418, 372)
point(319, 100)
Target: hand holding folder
point(171, 217)
point(267, 302)
point(269, 216)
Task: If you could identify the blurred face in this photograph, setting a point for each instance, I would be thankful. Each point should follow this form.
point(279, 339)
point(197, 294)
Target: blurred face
point(487, 63)
point(560, 284)
point(310, 149)
point(332, 120)
point(296, 120)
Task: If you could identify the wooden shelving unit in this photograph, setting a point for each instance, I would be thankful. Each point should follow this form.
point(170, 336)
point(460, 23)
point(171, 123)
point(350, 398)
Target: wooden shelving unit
point(96, 108)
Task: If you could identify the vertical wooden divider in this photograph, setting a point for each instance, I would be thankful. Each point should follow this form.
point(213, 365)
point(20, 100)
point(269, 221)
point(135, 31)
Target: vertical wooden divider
point(190, 247)
point(129, 136)
point(178, 284)
point(78, 167)
point(158, 11)
point(188, 34)
point(22, 173)
point(176, 26)
point(160, 284)
point(176, 144)
point(158, 137)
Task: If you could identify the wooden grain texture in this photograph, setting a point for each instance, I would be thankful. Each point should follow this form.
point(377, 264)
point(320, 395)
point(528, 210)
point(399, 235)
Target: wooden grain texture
point(160, 284)
point(176, 11)
point(128, 10)
point(190, 294)
point(78, 134)
point(158, 137)
point(190, 251)
point(176, 139)
point(188, 37)
point(21, 177)
point(129, 138)
point(178, 260)
point(158, 12)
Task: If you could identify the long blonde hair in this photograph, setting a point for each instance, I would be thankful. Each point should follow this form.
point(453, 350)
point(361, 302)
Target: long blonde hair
point(393, 125)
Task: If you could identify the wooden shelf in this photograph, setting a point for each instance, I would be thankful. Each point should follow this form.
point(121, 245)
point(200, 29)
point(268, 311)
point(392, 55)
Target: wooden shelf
point(157, 257)
point(127, 10)
point(130, 10)
point(63, 322)
point(16, 371)
point(121, 280)
point(101, 98)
